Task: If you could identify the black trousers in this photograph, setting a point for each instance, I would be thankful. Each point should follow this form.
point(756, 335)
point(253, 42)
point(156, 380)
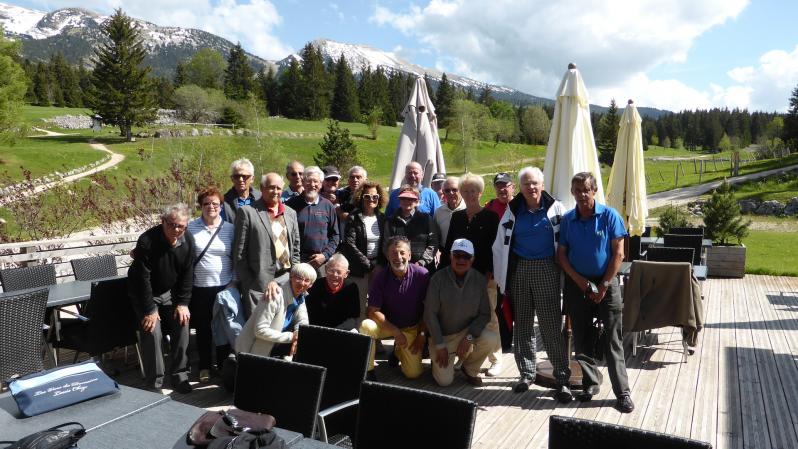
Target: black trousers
point(610, 311)
point(201, 308)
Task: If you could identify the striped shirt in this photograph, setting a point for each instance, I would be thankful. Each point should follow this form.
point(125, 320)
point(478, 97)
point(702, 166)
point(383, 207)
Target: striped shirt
point(318, 226)
point(216, 266)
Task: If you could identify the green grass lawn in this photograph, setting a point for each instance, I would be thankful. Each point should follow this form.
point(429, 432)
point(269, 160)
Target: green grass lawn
point(43, 155)
point(781, 189)
point(34, 114)
point(771, 252)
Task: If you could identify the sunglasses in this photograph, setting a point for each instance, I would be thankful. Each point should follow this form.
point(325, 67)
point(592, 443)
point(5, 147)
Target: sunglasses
point(240, 177)
point(450, 190)
point(296, 173)
point(370, 197)
point(211, 203)
point(175, 226)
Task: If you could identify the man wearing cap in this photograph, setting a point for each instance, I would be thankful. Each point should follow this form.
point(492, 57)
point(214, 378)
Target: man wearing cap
point(443, 214)
point(456, 311)
point(436, 184)
point(416, 226)
point(505, 190)
point(428, 199)
point(396, 308)
point(294, 173)
point(242, 173)
point(329, 185)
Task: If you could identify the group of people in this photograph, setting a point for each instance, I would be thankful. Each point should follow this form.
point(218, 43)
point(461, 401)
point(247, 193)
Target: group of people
point(428, 266)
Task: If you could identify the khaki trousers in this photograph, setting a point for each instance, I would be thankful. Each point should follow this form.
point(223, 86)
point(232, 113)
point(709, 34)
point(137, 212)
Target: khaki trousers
point(409, 363)
point(493, 325)
point(472, 363)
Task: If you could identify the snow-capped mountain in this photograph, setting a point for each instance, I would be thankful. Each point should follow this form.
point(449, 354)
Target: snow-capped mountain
point(74, 32)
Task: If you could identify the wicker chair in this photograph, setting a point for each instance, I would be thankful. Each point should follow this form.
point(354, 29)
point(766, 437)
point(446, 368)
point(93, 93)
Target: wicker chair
point(447, 421)
point(686, 241)
point(92, 268)
point(566, 433)
point(15, 279)
point(21, 319)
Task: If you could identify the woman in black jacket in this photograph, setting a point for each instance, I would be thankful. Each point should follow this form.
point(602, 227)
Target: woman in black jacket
point(416, 226)
point(362, 244)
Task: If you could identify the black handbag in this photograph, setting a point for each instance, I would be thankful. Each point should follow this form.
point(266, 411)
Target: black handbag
point(251, 439)
point(52, 438)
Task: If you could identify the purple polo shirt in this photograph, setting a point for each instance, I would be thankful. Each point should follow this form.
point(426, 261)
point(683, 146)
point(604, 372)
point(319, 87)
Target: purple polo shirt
point(401, 300)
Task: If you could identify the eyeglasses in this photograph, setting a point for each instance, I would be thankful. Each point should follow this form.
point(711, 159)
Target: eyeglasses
point(370, 197)
point(336, 273)
point(175, 226)
point(296, 173)
point(450, 190)
point(461, 256)
point(211, 203)
point(239, 176)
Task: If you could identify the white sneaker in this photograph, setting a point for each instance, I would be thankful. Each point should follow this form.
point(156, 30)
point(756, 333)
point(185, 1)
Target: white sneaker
point(495, 369)
point(459, 364)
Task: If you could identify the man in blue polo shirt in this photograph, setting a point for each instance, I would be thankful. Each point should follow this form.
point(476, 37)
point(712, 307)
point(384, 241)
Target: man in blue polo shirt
point(428, 200)
point(590, 252)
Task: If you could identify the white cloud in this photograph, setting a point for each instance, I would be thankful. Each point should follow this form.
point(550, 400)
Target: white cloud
point(251, 22)
point(528, 44)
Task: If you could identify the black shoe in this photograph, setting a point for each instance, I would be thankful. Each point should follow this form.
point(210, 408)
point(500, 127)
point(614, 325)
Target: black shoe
point(393, 360)
point(523, 384)
point(184, 387)
point(588, 393)
point(564, 394)
point(371, 375)
point(625, 404)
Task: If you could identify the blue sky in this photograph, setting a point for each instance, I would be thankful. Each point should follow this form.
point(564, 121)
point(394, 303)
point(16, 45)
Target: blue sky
point(671, 54)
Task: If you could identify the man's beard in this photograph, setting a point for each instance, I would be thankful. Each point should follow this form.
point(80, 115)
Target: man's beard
point(311, 195)
point(400, 266)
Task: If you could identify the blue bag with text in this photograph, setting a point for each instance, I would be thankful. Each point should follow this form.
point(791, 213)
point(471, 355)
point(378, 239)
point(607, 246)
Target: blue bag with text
point(44, 391)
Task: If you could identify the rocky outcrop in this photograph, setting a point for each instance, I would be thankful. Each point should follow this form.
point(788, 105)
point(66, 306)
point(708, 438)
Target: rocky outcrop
point(771, 207)
point(792, 206)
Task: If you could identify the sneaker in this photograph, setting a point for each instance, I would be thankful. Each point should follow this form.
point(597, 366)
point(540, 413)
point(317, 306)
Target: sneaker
point(155, 385)
point(184, 387)
point(495, 369)
point(588, 393)
point(625, 404)
point(205, 375)
point(564, 394)
point(475, 381)
point(371, 376)
point(523, 384)
point(458, 364)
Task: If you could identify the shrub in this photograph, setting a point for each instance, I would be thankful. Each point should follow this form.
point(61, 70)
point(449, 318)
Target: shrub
point(671, 218)
point(722, 220)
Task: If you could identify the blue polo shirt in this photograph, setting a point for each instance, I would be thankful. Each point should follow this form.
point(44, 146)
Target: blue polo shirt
point(589, 240)
point(533, 238)
point(427, 202)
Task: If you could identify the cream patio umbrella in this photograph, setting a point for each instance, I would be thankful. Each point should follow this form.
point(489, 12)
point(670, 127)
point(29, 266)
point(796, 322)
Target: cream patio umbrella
point(571, 148)
point(626, 189)
point(418, 140)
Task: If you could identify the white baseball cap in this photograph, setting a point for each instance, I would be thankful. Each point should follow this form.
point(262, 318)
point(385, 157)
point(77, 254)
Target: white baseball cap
point(463, 245)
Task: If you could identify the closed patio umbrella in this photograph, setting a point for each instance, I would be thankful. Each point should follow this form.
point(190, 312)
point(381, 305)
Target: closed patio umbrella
point(571, 148)
point(626, 189)
point(418, 140)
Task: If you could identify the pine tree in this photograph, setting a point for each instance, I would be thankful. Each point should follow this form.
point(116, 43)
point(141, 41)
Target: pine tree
point(290, 91)
point(397, 96)
point(238, 76)
point(365, 91)
point(790, 135)
point(379, 86)
point(66, 81)
point(486, 96)
point(345, 105)
point(608, 134)
point(445, 97)
point(180, 74)
point(722, 220)
point(12, 90)
point(430, 90)
point(269, 90)
point(315, 100)
point(41, 85)
point(336, 148)
point(121, 92)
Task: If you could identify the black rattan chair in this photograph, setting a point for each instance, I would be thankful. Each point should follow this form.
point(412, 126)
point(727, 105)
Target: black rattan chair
point(446, 421)
point(567, 433)
point(346, 368)
point(21, 319)
point(92, 268)
point(687, 231)
point(14, 279)
point(667, 254)
point(107, 322)
point(289, 391)
point(686, 241)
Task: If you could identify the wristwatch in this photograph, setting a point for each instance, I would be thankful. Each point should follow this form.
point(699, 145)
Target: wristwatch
point(422, 333)
point(606, 284)
point(470, 338)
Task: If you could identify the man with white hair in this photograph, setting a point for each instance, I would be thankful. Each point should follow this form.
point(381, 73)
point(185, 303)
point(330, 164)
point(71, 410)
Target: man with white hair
point(242, 172)
point(443, 215)
point(318, 222)
point(357, 175)
point(265, 242)
point(295, 173)
point(159, 286)
point(334, 300)
point(428, 199)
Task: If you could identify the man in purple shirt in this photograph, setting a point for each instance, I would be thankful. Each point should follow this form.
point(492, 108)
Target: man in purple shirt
point(396, 306)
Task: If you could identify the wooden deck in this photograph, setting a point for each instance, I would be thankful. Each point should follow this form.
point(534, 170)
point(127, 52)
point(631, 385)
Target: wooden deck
point(739, 389)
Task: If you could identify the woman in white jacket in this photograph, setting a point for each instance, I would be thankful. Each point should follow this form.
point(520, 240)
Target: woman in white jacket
point(524, 267)
point(272, 328)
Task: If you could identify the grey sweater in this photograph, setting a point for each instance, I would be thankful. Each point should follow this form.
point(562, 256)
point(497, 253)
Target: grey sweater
point(449, 308)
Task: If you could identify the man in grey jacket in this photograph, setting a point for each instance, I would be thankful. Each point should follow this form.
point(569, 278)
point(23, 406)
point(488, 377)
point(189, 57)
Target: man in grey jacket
point(266, 242)
point(456, 311)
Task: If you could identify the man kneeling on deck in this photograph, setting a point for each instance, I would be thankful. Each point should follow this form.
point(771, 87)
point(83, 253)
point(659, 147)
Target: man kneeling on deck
point(456, 311)
point(396, 306)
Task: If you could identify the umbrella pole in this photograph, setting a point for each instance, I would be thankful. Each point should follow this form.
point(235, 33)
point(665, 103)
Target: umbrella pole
point(545, 372)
